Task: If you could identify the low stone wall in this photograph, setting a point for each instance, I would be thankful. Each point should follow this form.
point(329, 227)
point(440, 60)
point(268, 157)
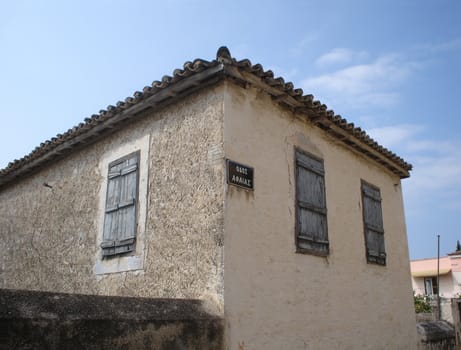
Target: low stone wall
point(425, 317)
point(42, 320)
point(436, 335)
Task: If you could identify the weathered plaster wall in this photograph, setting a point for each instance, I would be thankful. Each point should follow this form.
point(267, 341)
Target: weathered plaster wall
point(49, 236)
point(277, 299)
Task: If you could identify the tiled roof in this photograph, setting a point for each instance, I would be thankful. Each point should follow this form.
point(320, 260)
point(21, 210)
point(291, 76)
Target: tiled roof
point(197, 75)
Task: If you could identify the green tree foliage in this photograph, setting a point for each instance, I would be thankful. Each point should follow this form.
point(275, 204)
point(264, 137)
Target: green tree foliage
point(421, 304)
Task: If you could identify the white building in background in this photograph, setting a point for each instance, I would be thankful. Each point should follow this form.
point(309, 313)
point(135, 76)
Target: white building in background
point(424, 276)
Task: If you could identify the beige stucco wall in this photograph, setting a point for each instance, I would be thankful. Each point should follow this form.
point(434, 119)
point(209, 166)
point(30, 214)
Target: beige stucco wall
point(49, 236)
point(277, 299)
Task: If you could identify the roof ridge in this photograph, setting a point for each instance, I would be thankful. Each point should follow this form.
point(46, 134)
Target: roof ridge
point(317, 112)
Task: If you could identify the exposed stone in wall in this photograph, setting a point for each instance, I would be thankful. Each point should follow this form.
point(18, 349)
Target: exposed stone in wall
point(49, 232)
point(186, 202)
point(41, 320)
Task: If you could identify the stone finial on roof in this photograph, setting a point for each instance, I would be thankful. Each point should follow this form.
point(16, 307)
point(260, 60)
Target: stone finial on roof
point(223, 55)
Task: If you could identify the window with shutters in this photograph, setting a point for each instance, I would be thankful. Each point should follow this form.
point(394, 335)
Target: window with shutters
point(311, 211)
point(373, 224)
point(119, 234)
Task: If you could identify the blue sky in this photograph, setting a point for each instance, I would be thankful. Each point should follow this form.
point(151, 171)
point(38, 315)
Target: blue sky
point(391, 67)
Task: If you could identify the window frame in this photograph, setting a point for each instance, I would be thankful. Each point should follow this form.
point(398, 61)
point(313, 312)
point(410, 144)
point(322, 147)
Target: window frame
point(381, 258)
point(434, 286)
point(129, 243)
point(299, 239)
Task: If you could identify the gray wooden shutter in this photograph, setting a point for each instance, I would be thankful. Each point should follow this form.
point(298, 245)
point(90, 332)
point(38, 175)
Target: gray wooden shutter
point(373, 224)
point(311, 226)
point(120, 212)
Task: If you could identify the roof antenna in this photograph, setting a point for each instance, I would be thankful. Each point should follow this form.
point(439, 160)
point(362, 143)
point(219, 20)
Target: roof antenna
point(439, 312)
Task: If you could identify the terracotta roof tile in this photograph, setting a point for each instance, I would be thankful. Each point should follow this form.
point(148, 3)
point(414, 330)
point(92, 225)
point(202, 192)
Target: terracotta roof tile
point(284, 92)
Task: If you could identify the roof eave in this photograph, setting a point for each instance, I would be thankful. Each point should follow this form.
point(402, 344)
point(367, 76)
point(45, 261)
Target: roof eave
point(319, 117)
point(195, 76)
point(106, 126)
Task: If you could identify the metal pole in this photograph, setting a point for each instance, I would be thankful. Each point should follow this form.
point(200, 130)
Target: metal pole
point(439, 312)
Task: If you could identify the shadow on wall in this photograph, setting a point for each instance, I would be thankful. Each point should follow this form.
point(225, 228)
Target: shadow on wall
point(42, 320)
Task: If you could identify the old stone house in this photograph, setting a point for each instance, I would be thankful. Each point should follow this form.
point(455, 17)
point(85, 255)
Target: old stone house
point(224, 184)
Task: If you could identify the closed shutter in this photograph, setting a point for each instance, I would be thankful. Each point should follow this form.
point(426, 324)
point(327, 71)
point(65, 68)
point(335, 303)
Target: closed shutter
point(373, 224)
point(311, 226)
point(120, 212)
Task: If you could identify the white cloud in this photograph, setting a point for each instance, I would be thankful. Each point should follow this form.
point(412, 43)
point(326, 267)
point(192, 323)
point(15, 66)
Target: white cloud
point(436, 163)
point(372, 84)
point(340, 55)
point(395, 135)
point(452, 45)
point(281, 72)
point(366, 82)
point(362, 86)
point(304, 43)
point(437, 173)
point(376, 99)
point(444, 47)
point(432, 146)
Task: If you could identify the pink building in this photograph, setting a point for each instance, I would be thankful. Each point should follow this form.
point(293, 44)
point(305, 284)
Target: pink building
point(424, 276)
